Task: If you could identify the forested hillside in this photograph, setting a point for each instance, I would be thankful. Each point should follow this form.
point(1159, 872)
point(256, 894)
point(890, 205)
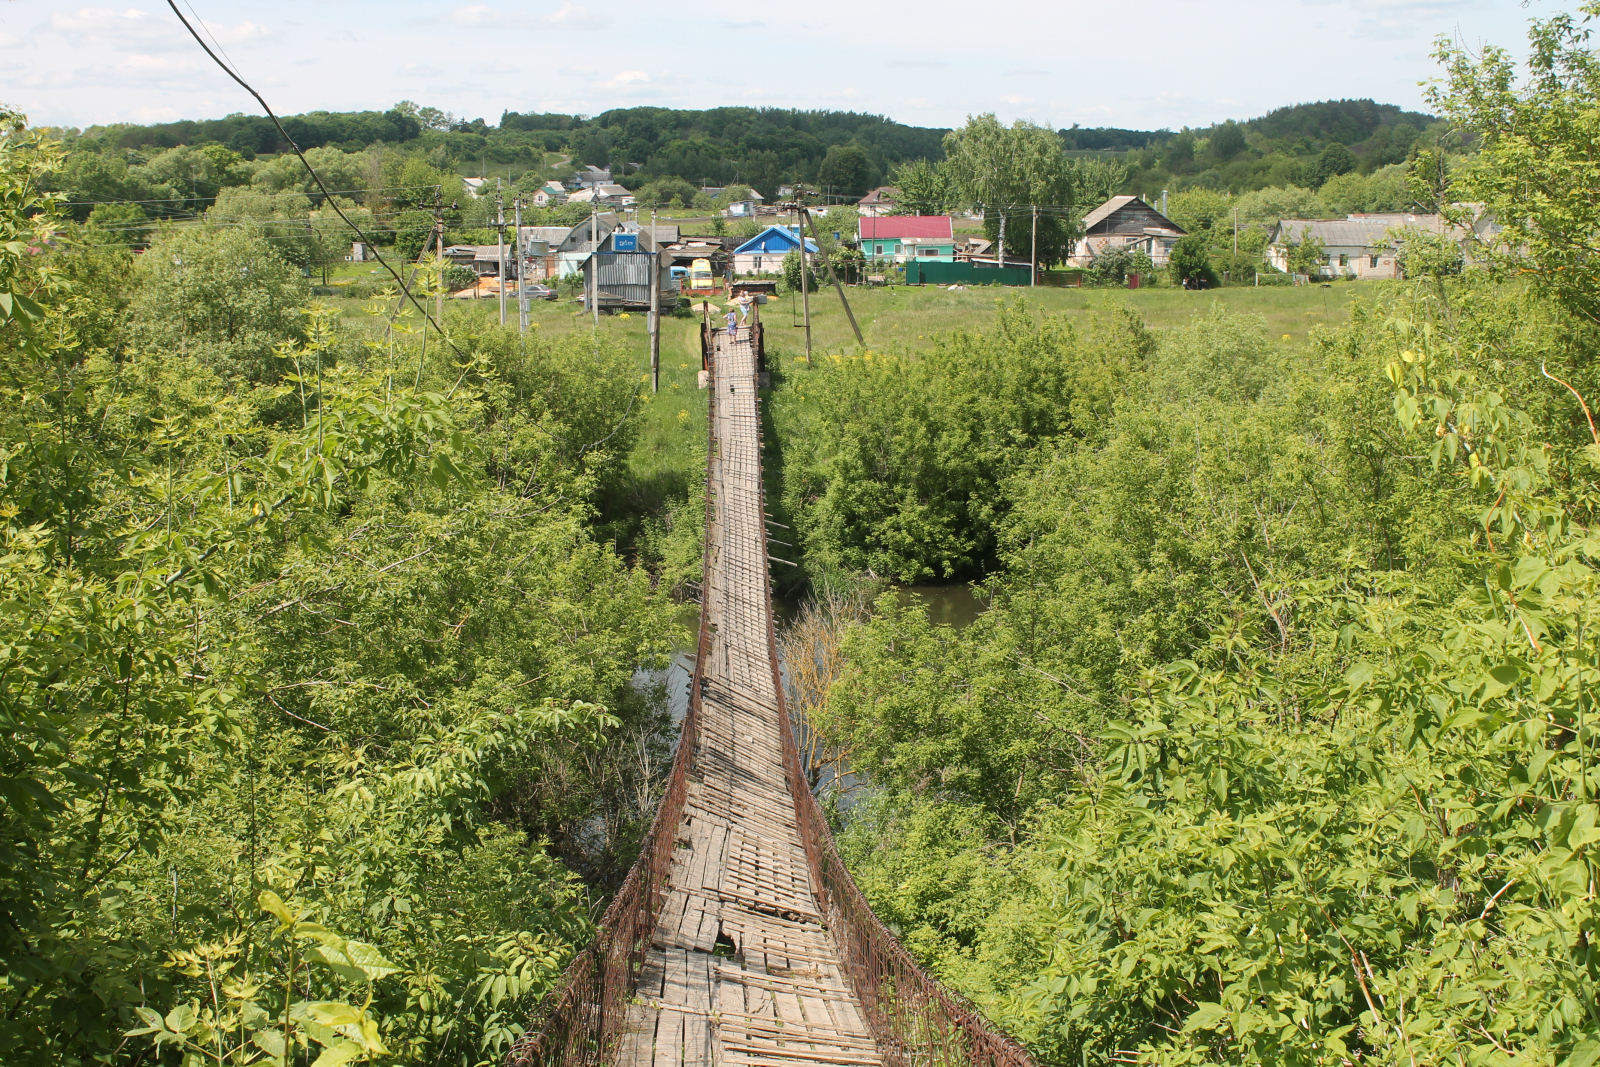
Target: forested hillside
point(1276, 742)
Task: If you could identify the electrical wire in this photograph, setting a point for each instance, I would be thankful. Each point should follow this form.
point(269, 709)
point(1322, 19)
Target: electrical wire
point(229, 71)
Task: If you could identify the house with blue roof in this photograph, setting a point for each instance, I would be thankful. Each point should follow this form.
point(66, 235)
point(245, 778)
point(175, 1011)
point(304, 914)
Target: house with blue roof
point(763, 253)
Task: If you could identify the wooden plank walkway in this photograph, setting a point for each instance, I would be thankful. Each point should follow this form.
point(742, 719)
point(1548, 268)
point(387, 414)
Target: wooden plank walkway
point(740, 971)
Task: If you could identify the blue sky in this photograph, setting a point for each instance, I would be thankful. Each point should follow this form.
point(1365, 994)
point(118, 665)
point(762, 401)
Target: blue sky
point(1142, 65)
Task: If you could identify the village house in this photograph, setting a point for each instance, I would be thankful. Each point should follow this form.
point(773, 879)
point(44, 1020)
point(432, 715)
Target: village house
point(897, 238)
point(589, 177)
point(604, 193)
point(879, 202)
point(746, 208)
point(763, 253)
point(1357, 246)
point(549, 195)
point(1125, 222)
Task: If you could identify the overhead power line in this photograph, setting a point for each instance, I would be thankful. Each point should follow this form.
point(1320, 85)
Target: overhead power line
point(229, 71)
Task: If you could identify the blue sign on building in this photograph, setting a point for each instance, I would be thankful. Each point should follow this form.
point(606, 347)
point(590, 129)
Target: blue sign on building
point(624, 242)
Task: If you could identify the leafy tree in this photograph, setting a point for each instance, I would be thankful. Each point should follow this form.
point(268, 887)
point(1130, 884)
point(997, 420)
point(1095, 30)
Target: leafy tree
point(845, 171)
point(1304, 253)
point(1190, 262)
point(1334, 160)
point(222, 298)
point(1113, 266)
point(1007, 172)
point(1537, 196)
point(412, 231)
point(125, 224)
point(666, 192)
point(1227, 140)
point(923, 188)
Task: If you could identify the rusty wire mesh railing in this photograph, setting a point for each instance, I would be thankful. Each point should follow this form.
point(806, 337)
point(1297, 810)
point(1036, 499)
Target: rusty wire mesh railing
point(915, 1022)
point(578, 1023)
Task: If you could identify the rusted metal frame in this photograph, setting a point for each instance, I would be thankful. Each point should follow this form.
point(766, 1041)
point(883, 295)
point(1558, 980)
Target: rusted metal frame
point(581, 1019)
point(917, 1004)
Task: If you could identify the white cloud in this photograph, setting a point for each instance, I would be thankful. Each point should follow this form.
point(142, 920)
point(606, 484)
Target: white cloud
point(477, 15)
point(624, 78)
point(104, 24)
point(570, 16)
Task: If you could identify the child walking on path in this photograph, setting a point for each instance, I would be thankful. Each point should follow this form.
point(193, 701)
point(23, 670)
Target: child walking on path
point(733, 325)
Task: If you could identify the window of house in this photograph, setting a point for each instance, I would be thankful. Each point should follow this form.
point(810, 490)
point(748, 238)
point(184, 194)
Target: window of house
point(927, 251)
point(1328, 259)
point(880, 250)
point(1372, 261)
point(1344, 260)
point(758, 263)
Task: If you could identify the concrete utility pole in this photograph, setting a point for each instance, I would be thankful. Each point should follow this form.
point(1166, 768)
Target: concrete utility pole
point(500, 244)
point(594, 266)
point(1002, 239)
point(522, 290)
point(655, 307)
point(1033, 271)
point(1235, 233)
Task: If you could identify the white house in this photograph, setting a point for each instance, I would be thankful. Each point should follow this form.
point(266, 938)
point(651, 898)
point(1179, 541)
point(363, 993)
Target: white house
point(604, 193)
point(1357, 246)
point(550, 194)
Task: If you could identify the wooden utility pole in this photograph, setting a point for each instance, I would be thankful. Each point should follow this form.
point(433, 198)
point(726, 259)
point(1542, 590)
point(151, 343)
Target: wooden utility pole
point(805, 295)
point(1235, 233)
point(594, 266)
point(826, 262)
point(522, 290)
point(1033, 272)
point(500, 244)
point(655, 307)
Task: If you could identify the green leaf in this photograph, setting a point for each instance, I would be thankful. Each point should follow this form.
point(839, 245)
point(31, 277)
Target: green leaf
point(335, 1013)
point(270, 1041)
point(1584, 1054)
point(273, 905)
point(1206, 1017)
point(182, 1018)
point(340, 1052)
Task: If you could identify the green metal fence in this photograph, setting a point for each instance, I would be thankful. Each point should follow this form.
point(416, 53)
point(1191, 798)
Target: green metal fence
point(936, 273)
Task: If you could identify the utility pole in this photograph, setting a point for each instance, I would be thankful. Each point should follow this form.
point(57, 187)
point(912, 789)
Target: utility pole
point(594, 266)
point(1235, 233)
point(522, 290)
point(655, 307)
point(1002, 239)
point(500, 243)
point(833, 277)
point(805, 293)
point(1033, 272)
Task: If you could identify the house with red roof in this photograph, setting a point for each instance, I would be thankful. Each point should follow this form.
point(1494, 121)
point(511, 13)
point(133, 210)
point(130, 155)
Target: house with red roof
point(897, 238)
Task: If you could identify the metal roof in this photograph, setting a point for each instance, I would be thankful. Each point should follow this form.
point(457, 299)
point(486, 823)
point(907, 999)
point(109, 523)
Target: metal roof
point(899, 227)
point(1339, 233)
point(1105, 210)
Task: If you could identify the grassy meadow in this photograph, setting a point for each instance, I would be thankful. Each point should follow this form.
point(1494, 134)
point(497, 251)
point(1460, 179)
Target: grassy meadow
point(900, 319)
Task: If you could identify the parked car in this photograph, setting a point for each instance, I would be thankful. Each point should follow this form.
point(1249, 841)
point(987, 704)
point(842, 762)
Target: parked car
point(539, 292)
